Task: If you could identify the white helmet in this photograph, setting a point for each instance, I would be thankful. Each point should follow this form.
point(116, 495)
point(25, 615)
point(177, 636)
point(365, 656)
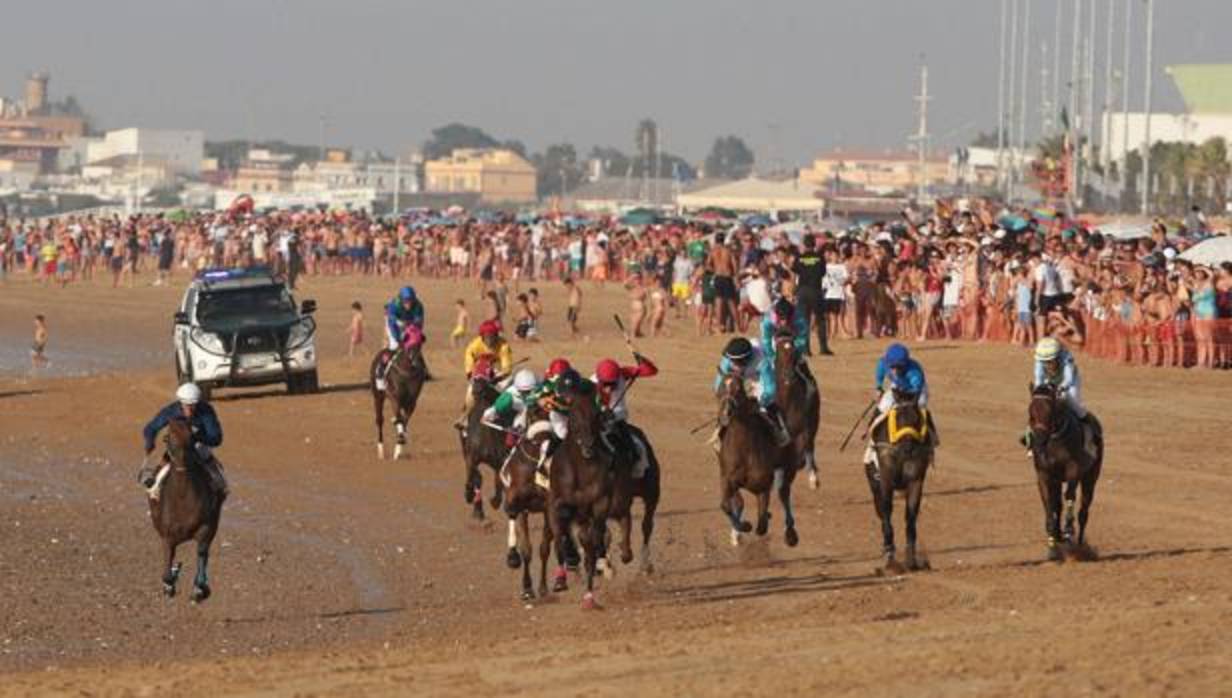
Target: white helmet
point(188, 394)
point(1047, 349)
point(525, 381)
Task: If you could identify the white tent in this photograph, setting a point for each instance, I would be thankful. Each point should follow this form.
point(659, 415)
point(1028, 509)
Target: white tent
point(755, 194)
point(1125, 230)
point(1216, 250)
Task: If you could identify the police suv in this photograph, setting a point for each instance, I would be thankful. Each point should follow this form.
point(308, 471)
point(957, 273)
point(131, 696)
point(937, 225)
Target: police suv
point(241, 327)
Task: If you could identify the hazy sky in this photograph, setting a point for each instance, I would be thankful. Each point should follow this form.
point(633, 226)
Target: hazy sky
point(791, 77)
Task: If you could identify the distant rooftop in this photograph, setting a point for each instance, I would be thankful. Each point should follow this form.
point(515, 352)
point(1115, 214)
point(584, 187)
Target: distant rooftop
point(1206, 88)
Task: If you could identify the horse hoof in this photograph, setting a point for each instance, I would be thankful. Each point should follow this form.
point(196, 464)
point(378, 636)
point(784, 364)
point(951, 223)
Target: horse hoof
point(791, 537)
point(745, 527)
point(606, 568)
point(398, 452)
point(200, 593)
point(626, 557)
point(763, 526)
point(893, 567)
point(495, 502)
point(477, 513)
point(513, 559)
point(589, 603)
point(380, 451)
point(168, 590)
point(560, 581)
point(528, 594)
point(814, 482)
point(735, 538)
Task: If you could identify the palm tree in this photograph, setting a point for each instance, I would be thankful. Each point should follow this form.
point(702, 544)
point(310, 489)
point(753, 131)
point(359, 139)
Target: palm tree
point(1213, 158)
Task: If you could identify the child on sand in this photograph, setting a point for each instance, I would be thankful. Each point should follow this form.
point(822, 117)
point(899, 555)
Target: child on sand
point(37, 357)
point(355, 331)
point(575, 307)
point(461, 325)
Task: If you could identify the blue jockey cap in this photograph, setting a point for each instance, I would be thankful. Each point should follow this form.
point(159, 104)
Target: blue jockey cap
point(406, 294)
point(896, 355)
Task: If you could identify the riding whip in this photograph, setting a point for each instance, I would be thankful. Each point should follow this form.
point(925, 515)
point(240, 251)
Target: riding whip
point(857, 424)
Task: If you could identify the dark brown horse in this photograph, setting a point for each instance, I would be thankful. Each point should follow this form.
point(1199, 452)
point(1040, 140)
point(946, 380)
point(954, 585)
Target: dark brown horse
point(589, 483)
point(904, 450)
point(481, 445)
point(1064, 452)
point(750, 459)
point(523, 497)
point(404, 380)
point(186, 509)
point(799, 401)
point(646, 488)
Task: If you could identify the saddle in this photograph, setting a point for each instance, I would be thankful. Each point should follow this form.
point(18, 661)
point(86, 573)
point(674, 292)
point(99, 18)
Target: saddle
point(543, 478)
point(896, 432)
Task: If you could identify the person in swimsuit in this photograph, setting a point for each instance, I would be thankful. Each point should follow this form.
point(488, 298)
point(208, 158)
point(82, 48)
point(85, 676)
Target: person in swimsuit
point(38, 358)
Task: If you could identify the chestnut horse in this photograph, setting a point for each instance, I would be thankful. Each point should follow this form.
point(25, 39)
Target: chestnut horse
point(187, 509)
point(404, 379)
point(903, 458)
point(1060, 450)
point(750, 459)
point(481, 445)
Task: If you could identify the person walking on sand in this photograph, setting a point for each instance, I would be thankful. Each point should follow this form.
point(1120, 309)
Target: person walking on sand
point(575, 307)
point(461, 325)
point(355, 331)
point(38, 358)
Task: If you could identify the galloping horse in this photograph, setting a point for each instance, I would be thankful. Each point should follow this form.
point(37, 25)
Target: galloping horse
point(904, 452)
point(589, 483)
point(750, 459)
point(1063, 451)
point(482, 445)
point(187, 509)
point(404, 378)
point(799, 402)
point(525, 496)
point(646, 488)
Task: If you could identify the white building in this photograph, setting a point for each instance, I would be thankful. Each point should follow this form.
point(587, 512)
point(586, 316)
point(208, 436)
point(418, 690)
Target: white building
point(1165, 128)
point(382, 177)
point(180, 151)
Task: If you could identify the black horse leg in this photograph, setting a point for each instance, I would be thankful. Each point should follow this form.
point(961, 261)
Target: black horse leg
point(886, 494)
point(763, 512)
point(1088, 495)
point(1050, 493)
point(1071, 492)
point(513, 559)
point(915, 494)
point(201, 584)
point(378, 401)
point(400, 418)
point(498, 491)
point(559, 517)
point(472, 490)
point(545, 549)
point(649, 504)
point(171, 568)
point(783, 485)
point(528, 587)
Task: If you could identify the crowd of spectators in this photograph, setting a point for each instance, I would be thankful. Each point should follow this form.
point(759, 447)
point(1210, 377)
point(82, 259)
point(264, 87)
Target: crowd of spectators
point(970, 270)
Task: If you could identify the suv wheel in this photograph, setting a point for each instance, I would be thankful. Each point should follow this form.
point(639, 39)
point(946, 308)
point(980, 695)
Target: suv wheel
point(311, 384)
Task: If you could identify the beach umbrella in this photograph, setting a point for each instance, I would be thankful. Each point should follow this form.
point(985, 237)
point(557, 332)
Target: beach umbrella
point(638, 216)
point(1210, 252)
point(757, 220)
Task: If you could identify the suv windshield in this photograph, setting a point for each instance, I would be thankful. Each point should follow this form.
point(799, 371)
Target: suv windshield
point(259, 305)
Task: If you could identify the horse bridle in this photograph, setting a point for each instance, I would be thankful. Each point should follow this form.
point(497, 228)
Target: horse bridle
point(1053, 430)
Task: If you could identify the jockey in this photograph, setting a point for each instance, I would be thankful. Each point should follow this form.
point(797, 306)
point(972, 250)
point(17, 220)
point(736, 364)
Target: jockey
point(906, 376)
point(488, 350)
point(513, 404)
point(614, 382)
point(403, 310)
point(557, 368)
point(743, 357)
point(785, 320)
point(1055, 366)
point(206, 435)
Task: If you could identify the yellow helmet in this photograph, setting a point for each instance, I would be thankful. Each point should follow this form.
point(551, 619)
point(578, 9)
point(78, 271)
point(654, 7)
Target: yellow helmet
point(1047, 349)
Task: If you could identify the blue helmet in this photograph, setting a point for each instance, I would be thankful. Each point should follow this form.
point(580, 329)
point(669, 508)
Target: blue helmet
point(407, 294)
point(896, 355)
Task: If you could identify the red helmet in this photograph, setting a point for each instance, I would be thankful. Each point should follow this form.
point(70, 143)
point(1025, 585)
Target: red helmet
point(489, 328)
point(557, 367)
point(608, 371)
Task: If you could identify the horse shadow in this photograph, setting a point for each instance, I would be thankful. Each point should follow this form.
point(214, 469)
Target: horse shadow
point(261, 394)
point(325, 615)
point(1090, 554)
point(773, 586)
point(19, 393)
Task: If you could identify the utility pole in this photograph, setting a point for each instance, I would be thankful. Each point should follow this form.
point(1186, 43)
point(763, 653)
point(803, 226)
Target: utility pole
point(321, 140)
point(1146, 138)
point(1074, 78)
point(1046, 105)
point(1056, 60)
point(1012, 94)
point(1129, 24)
point(1105, 143)
point(140, 172)
point(1022, 88)
point(397, 185)
point(1001, 103)
point(1088, 82)
point(921, 137)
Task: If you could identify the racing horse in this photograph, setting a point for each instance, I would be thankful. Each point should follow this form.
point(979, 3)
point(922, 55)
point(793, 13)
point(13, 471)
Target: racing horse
point(481, 445)
point(590, 482)
point(523, 496)
point(799, 400)
point(904, 451)
point(187, 509)
point(750, 459)
point(645, 486)
point(1065, 450)
point(404, 378)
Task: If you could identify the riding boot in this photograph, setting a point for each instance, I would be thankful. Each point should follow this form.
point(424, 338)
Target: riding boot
point(218, 483)
point(546, 451)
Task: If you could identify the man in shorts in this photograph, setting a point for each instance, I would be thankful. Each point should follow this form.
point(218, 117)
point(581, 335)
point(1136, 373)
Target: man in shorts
point(723, 262)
